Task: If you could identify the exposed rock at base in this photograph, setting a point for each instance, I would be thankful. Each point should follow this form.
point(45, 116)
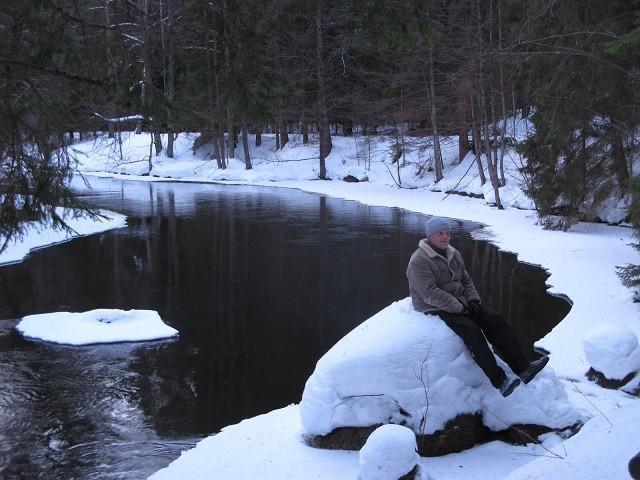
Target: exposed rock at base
point(461, 433)
point(412, 475)
point(599, 377)
point(350, 179)
point(464, 194)
point(342, 438)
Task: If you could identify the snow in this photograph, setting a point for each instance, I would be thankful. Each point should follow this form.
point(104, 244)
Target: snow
point(96, 326)
point(581, 262)
point(389, 453)
point(617, 438)
point(408, 367)
point(266, 447)
point(38, 235)
point(613, 350)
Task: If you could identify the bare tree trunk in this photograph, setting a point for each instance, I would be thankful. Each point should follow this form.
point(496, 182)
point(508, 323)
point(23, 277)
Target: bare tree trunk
point(491, 168)
point(503, 139)
point(284, 134)
point(258, 137)
point(494, 134)
point(463, 143)
point(305, 133)
point(231, 137)
point(347, 128)
point(170, 72)
point(475, 132)
point(620, 164)
point(323, 119)
point(170, 142)
point(437, 154)
point(157, 142)
point(212, 82)
point(503, 142)
point(245, 145)
point(231, 144)
point(216, 150)
point(143, 6)
point(221, 148)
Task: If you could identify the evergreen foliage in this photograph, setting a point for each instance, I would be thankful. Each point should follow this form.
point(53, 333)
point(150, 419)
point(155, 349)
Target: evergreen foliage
point(427, 67)
point(630, 274)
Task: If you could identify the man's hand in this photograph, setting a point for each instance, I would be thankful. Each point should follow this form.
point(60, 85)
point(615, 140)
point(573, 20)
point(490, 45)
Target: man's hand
point(474, 308)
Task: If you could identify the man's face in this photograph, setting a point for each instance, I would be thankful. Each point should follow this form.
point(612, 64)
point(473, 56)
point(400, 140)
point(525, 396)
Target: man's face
point(440, 239)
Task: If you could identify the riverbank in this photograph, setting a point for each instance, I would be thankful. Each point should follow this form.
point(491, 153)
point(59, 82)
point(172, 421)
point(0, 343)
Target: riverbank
point(582, 265)
point(581, 262)
point(39, 236)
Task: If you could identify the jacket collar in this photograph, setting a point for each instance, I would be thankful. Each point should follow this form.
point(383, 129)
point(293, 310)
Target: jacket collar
point(424, 245)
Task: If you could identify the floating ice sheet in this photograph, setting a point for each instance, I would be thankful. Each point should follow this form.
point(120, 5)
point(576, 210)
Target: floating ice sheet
point(96, 326)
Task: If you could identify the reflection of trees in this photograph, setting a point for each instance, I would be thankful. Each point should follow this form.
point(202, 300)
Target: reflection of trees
point(515, 289)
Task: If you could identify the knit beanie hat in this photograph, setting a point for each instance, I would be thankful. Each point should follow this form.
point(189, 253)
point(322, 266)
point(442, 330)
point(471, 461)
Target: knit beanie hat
point(436, 224)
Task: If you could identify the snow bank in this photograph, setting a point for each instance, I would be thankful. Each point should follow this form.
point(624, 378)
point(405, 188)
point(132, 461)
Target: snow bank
point(390, 453)
point(38, 235)
point(96, 326)
point(402, 366)
point(617, 440)
point(266, 447)
point(613, 350)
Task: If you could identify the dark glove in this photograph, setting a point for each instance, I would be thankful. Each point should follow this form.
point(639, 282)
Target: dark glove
point(474, 308)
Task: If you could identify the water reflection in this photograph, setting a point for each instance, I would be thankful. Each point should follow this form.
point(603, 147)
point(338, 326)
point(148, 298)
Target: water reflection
point(259, 282)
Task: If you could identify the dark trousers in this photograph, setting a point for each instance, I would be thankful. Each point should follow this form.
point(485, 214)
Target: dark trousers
point(491, 325)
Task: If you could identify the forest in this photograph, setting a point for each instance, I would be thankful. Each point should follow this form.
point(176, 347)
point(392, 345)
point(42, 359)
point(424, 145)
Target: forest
point(319, 68)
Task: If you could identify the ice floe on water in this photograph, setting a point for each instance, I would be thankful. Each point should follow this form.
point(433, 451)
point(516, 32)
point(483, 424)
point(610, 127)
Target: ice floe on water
point(96, 326)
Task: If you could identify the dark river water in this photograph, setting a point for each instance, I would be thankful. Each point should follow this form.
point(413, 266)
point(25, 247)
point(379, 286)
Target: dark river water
point(260, 282)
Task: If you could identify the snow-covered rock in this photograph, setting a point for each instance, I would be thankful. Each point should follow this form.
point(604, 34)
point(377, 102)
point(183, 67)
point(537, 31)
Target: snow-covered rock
point(390, 453)
point(401, 366)
point(612, 350)
point(96, 326)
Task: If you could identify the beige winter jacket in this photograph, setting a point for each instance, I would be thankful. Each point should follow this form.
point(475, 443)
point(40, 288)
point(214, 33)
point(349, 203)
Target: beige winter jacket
point(439, 283)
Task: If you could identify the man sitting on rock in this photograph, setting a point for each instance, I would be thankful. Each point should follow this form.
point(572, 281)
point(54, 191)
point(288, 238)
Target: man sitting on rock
point(440, 285)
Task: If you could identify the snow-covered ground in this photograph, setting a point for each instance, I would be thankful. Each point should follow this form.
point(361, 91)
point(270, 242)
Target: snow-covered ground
point(581, 262)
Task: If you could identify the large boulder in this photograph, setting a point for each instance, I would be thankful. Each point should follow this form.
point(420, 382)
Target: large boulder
point(404, 367)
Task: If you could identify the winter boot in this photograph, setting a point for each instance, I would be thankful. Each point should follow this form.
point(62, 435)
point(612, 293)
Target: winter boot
point(508, 386)
point(533, 369)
